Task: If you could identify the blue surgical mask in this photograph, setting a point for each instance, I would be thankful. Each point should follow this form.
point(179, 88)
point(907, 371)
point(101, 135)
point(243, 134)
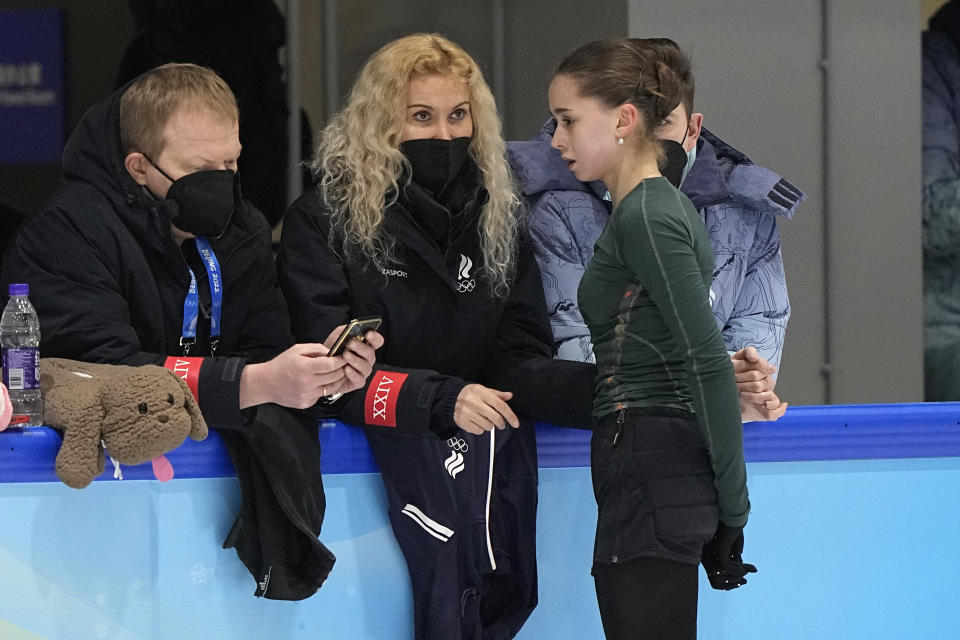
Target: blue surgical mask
point(691, 158)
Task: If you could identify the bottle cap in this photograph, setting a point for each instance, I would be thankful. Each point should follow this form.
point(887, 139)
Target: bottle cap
point(19, 289)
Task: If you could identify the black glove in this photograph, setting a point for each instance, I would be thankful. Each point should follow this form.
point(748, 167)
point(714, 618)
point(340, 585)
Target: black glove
point(721, 559)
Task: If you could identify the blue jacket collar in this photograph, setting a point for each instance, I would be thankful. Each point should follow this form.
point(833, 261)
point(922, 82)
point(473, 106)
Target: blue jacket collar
point(723, 173)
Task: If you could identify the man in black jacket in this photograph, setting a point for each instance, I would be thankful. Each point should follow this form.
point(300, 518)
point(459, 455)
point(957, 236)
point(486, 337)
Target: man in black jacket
point(147, 254)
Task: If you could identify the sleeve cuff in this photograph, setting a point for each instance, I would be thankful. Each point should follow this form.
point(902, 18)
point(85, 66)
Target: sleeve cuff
point(219, 392)
point(445, 402)
point(735, 520)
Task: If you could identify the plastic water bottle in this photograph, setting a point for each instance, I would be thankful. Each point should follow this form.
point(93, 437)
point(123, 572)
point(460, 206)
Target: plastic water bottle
point(20, 342)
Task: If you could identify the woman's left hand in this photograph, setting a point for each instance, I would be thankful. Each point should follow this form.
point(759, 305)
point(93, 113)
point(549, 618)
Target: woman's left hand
point(480, 409)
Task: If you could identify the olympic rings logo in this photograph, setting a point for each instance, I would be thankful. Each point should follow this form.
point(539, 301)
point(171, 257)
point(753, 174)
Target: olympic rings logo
point(458, 444)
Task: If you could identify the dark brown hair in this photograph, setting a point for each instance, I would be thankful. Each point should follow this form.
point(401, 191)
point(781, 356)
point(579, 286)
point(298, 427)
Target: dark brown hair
point(652, 74)
point(670, 53)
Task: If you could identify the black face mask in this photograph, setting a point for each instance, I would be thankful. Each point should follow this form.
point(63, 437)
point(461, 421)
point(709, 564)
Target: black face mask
point(436, 162)
point(674, 161)
point(205, 200)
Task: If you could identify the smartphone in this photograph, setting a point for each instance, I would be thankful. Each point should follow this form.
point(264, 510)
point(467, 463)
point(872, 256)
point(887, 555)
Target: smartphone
point(355, 329)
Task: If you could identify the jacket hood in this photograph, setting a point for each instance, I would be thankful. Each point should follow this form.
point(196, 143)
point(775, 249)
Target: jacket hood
point(722, 173)
point(93, 156)
point(539, 167)
point(93, 153)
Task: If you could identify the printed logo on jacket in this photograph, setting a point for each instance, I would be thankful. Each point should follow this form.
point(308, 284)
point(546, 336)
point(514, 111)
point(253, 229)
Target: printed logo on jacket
point(380, 404)
point(456, 463)
point(465, 283)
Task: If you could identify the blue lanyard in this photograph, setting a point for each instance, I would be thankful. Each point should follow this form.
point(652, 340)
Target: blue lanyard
point(191, 304)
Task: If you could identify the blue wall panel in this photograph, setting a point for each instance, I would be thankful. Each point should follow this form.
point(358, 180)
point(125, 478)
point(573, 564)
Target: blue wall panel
point(851, 549)
point(845, 550)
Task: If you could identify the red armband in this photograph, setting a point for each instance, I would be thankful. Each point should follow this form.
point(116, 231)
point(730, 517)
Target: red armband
point(380, 404)
point(188, 369)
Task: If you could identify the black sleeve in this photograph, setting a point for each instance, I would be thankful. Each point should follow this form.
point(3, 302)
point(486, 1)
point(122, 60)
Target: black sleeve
point(75, 286)
point(555, 391)
point(264, 333)
point(317, 288)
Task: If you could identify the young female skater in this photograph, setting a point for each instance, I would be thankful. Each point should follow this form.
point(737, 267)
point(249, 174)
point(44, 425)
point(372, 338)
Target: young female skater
point(667, 450)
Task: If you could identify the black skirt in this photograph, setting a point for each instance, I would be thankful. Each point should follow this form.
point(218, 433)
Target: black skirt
point(654, 486)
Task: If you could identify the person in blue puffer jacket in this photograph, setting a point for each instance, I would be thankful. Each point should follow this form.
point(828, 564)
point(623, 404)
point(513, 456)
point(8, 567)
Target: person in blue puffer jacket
point(739, 202)
point(941, 204)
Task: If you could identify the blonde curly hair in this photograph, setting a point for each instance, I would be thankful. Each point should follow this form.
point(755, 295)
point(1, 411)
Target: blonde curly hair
point(358, 161)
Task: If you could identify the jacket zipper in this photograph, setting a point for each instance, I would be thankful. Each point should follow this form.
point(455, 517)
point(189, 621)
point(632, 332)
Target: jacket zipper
point(714, 201)
point(619, 471)
point(616, 436)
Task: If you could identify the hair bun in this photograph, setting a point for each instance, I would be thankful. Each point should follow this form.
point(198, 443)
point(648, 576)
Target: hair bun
point(668, 94)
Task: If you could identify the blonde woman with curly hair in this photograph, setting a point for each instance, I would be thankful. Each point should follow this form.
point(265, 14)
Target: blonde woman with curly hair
point(414, 219)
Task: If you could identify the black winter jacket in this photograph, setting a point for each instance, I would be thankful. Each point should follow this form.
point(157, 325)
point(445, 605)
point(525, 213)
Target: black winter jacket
point(442, 327)
point(108, 283)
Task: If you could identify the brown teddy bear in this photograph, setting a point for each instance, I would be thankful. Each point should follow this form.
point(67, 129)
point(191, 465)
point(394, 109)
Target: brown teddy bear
point(136, 413)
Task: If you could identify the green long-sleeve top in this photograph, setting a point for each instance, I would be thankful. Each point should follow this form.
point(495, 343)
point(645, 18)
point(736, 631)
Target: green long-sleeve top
point(646, 298)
